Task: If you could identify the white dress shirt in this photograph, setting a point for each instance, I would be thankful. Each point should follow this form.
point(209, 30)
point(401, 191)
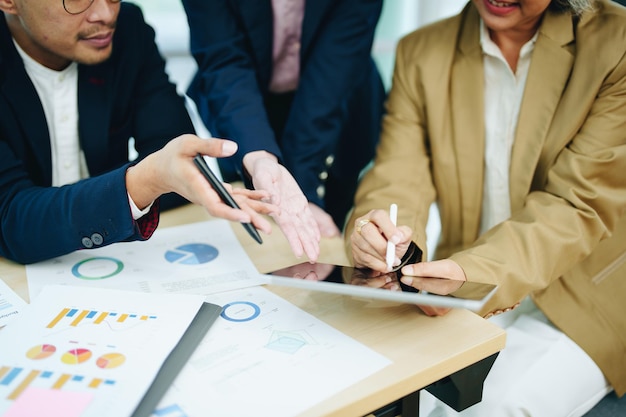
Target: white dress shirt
point(58, 93)
point(504, 90)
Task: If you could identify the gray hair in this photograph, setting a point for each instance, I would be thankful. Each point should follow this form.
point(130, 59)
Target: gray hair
point(575, 6)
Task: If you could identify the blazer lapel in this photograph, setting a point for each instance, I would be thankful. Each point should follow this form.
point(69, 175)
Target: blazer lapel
point(93, 110)
point(314, 12)
point(20, 93)
point(466, 96)
point(548, 74)
point(258, 19)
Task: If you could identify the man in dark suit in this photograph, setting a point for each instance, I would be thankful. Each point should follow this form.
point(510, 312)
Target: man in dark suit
point(294, 84)
point(78, 79)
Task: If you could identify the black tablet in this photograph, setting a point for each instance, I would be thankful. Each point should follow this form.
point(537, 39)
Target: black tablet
point(370, 284)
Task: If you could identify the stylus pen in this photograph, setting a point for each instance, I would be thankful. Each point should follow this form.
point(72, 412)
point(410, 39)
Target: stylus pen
point(391, 247)
point(224, 195)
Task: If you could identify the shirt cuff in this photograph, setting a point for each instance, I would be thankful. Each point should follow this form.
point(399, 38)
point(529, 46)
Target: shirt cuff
point(137, 213)
point(147, 224)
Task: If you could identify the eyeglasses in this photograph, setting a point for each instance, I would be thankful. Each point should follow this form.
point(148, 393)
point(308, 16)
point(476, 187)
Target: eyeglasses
point(79, 6)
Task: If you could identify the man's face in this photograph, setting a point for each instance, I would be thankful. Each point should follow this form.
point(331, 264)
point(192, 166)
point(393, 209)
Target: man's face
point(54, 38)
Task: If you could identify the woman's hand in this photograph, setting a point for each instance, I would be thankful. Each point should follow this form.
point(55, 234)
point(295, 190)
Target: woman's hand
point(438, 277)
point(369, 240)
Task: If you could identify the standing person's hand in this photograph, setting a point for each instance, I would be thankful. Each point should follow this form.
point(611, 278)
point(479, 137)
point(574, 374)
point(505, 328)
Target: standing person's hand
point(171, 169)
point(324, 221)
point(294, 218)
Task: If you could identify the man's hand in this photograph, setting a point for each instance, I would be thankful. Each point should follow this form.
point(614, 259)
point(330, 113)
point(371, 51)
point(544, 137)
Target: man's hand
point(171, 169)
point(294, 218)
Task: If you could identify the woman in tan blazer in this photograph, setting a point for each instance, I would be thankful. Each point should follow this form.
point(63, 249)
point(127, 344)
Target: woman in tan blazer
point(511, 117)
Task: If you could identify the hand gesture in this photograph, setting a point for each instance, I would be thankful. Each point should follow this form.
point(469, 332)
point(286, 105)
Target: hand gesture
point(171, 169)
point(294, 217)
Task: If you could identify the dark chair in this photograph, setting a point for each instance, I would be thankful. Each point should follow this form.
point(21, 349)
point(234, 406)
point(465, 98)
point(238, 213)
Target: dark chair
point(610, 406)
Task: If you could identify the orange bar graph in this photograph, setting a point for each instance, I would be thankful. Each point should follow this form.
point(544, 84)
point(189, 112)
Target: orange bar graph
point(23, 385)
point(58, 318)
point(79, 318)
point(122, 318)
point(61, 381)
point(95, 383)
point(101, 317)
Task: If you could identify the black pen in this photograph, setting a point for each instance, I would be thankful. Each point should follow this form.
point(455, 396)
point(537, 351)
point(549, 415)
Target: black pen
point(224, 195)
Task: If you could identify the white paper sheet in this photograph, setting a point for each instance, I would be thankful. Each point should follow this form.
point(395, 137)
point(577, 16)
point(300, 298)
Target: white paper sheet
point(88, 352)
point(11, 304)
point(197, 258)
point(265, 356)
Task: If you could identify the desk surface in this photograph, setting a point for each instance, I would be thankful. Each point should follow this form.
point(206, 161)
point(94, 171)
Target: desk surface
point(423, 349)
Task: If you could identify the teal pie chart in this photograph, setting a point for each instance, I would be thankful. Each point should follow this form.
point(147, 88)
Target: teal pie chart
point(192, 254)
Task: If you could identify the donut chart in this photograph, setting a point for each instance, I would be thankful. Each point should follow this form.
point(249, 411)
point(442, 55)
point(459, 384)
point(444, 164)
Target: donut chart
point(100, 267)
point(240, 311)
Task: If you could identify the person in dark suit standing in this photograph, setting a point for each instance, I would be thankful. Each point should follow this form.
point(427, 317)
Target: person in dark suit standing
point(294, 84)
point(78, 79)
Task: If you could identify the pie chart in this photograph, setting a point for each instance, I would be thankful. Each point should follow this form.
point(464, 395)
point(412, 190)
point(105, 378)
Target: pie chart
point(76, 356)
point(191, 254)
point(110, 360)
point(40, 351)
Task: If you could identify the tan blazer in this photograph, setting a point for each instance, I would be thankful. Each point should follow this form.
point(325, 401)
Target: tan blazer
point(565, 242)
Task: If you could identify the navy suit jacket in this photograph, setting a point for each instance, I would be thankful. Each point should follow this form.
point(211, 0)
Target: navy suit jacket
point(231, 41)
point(127, 96)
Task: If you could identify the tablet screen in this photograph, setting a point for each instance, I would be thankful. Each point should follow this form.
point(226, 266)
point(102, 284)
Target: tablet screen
point(370, 284)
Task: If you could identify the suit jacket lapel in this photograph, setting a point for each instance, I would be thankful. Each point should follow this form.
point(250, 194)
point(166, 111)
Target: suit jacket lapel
point(314, 12)
point(20, 93)
point(93, 111)
point(258, 19)
point(548, 74)
point(466, 96)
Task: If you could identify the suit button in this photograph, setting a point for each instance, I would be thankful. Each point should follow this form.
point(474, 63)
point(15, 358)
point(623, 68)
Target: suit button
point(96, 238)
point(87, 242)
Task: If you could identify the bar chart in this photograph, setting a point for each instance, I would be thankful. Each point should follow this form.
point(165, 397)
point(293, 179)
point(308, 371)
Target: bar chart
point(74, 317)
point(15, 380)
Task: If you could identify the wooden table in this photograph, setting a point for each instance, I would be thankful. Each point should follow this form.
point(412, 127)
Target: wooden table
point(433, 352)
